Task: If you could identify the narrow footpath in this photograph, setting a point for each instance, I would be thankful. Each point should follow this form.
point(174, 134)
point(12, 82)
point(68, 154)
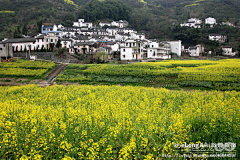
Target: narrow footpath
point(53, 75)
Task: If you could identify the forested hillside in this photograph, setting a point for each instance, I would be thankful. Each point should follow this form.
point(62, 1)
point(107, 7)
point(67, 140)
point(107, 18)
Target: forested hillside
point(157, 18)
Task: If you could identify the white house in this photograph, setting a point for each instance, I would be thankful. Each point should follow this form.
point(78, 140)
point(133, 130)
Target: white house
point(112, 31)
point(138, 36)
point(5, 50)
point(217, 37)
point(195, 51)
point(121, 36)
point(102, 24)
point(85, 48)
point(176, 47)
point(210, 21)
point(45, 41)
point(158, 50)
point(81, 23)
point(120, 23)
point(193, 22)
point(131, 50)
point(21, 44)
point(66, 43)
point(227, 51)
point(228, 24)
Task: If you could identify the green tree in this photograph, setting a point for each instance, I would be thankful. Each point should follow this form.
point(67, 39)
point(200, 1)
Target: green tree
point(101, 57)
point(24, 30)
point(58, 45)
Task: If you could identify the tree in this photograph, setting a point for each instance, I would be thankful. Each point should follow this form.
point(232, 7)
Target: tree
point(60, 52)
point(24, 30)
point(58, 45)
point(101, 57)
point(238, 50)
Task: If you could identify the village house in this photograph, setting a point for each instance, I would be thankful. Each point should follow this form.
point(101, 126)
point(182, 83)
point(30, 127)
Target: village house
point(102, 24)
point(121, 36)
point(195, 51)
point(217, 37)
point(81, 23)
point(47, 28)
point(112, 31)
point(6, 50)
point(176, 47)
point(21, 44)
point(85, 48)
point(66, 43)
point(193, 22)
point(158, 50)
point(131, 50)
point(210, 21)
point(46, 41)
point(120, 23)
point(228, 51)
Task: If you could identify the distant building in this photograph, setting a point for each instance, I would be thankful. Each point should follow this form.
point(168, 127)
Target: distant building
point(158, 50)
point(193, 22)
point(47, 28)
point(228, 51)
point(46, 41)
point(217, 37)
point(131, 50)
point(81, 23)
point(176, 47)
point(228, 24)
point(119, 24)
point(6, 50)
point(66, 43)
point(102, 24)
point(210, 21)
point(195, 51)
point(21, 44)
point(85, 48)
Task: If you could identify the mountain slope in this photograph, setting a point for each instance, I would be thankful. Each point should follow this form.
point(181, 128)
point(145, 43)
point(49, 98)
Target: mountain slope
point(156, 17)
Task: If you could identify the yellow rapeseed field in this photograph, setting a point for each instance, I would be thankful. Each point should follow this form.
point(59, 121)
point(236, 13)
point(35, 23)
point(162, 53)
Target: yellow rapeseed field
point(112, 122)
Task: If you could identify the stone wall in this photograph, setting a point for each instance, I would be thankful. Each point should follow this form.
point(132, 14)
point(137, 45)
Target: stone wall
point(42, 55)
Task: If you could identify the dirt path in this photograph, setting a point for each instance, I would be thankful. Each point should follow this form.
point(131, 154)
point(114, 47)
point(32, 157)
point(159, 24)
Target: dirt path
point(53, 75)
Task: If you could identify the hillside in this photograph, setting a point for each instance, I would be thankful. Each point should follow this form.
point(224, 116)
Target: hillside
point(155, 17)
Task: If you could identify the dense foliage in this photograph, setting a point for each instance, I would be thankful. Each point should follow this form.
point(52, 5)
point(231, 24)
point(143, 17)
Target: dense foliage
point(156, 17)
point(200, 74)
point(112, 122)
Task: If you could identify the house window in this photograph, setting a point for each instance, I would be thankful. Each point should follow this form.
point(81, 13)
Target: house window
point(0, 49)
point(126, 44)
point(150, 50)
point(133, 56)
point(124, 56)
point(4, 45)
point(152, 46)
point(51, 40)
point(124, 51)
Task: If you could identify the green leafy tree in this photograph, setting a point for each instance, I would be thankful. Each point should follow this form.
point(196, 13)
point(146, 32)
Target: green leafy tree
point(58, 45)
point(25, 30)
point(101, 57)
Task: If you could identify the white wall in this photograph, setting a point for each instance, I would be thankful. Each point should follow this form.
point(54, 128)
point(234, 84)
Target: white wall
point(127, 52)
point(176, 47)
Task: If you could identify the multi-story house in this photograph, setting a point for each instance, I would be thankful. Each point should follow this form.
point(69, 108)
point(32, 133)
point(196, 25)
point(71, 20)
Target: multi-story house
point(131, 50)
point(217, 37)
point(81, 23)
point(158, 50)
